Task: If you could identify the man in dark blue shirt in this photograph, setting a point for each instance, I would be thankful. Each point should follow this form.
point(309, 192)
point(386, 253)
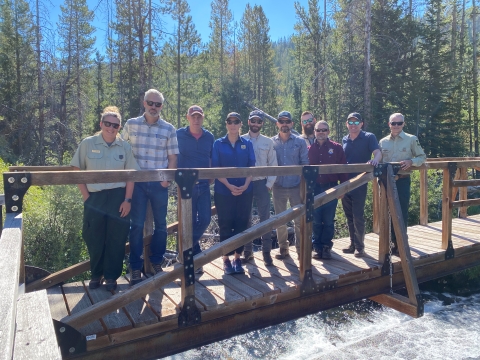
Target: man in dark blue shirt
point(195, 145)
point(359, 146)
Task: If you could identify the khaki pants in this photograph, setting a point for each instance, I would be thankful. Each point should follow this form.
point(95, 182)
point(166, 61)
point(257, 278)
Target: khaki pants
point(280, 197)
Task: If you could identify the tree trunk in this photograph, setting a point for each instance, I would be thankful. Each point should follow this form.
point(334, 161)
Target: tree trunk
point(367, 75)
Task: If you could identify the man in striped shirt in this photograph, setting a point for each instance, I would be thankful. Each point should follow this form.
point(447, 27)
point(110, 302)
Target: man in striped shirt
point(154, 144)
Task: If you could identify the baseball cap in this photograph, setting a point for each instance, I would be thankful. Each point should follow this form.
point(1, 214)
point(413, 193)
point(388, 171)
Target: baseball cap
point(285, 114)
point(356, 116)
point(195, 109)
point(256, 113)
point(233, 115)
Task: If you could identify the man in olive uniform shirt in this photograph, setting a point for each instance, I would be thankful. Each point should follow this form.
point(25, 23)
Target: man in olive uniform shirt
point(405, 149)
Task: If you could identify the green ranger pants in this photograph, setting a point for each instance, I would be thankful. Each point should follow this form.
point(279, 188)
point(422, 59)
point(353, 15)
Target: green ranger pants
point(105, 232)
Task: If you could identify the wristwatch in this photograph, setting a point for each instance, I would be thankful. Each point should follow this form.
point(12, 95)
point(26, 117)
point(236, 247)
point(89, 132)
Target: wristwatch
point(128, 200)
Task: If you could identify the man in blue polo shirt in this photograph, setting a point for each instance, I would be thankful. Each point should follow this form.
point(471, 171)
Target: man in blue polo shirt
point(359, 146)
point(195, 146)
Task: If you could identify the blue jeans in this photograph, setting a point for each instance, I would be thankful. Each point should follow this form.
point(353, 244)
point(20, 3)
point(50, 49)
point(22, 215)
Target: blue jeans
point(323, 220)
point(158, 196)
point(201, 212)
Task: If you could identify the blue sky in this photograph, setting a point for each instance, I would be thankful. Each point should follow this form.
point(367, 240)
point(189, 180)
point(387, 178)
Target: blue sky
point(280, 13)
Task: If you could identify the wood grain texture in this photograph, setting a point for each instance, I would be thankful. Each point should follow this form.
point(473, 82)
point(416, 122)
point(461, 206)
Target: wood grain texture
point(35, 335)
point(11, 245)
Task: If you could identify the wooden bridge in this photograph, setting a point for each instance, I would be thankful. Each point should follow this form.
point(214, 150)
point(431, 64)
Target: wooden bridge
point(178, 310)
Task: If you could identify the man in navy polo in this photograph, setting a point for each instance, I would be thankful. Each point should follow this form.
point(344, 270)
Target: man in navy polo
point(359, 146)
point(195, 146)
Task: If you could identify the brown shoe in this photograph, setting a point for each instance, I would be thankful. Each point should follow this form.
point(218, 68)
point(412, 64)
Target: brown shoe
point(360, 253)
point(283, 254)
point(349, 250)
point(267, 258)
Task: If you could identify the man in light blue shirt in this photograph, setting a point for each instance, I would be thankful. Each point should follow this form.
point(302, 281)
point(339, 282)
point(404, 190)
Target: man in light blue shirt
point(291, 150)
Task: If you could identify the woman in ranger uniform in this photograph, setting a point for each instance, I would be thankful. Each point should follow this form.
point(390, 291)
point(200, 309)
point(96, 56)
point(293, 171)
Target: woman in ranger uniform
point(106, 219)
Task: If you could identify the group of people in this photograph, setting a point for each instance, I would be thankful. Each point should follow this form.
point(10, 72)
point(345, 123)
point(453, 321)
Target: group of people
point(114, 212)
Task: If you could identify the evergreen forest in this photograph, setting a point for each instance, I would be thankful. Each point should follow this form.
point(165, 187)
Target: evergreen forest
point(372, 56)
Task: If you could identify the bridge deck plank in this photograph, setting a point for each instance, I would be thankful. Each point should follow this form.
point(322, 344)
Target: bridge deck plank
point(218, 294)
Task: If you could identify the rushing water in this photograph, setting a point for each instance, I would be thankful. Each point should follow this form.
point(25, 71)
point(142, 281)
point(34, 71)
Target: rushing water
point(449, 329)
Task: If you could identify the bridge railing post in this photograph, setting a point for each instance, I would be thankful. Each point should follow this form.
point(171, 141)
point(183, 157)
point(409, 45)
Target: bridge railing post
point(307, 193)
point(462, 211)
point(376, 205)
point(423, 196)
point(189, 313)
point(448, 176)
point(383, 223)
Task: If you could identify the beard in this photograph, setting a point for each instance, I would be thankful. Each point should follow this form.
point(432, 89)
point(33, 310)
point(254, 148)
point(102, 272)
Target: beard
point(254, 129)
point(308, 129)
point(284, 129)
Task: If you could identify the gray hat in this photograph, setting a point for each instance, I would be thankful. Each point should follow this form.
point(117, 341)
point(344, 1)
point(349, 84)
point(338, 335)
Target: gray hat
point(256, 114)
point(285, 114)
point(356, 116)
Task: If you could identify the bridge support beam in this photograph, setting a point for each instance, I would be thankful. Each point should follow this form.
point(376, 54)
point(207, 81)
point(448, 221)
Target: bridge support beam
point(307, 192)
point(189, 314)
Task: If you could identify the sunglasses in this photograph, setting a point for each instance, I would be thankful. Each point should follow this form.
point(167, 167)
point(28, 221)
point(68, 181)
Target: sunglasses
point(284, 122)
point(399, 123)
point(307, 121)
point(150, 103)
point(321, 130)
point(236, 122)
point(108, 124)
point(256, 121)
point(354, 122)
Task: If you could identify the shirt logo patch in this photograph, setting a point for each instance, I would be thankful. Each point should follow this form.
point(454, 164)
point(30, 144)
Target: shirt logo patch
point(120, 156)
point(243, 147)
point(96, 151)
point(330, 151)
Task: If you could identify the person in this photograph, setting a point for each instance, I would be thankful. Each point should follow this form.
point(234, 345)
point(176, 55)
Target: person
point(154, 144)
point(106, 208)
point(195, 146)
point(265, 155)
point(233, 196)
point(325, 151)
point(308, 124)
point(359, 146)
point(291, 150)
point(405, 149)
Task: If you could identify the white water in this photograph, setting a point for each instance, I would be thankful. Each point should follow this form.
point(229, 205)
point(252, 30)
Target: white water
point(449, 329)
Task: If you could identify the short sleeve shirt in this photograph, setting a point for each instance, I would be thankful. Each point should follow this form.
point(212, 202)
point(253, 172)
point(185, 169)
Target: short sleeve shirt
point(93, 153)
point(194, 153)
point(402, 147)
point(151, 143)
point(359, 150)
point(226, 155)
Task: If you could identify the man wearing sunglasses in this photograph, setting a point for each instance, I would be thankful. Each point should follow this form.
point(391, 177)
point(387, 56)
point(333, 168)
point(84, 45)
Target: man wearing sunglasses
point(195, 145)
point(291, 150)
point(359, 146)
point(308, 124)
point(405, 149)
point(265, 155)
point(323, 152)
point(154, 144)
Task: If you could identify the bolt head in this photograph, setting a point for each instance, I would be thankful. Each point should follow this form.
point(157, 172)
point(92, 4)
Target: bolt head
point(71, 350)
point(24, 180)
point(15, 197)
point(14, 208)
point(62, 329)
point(11, 180)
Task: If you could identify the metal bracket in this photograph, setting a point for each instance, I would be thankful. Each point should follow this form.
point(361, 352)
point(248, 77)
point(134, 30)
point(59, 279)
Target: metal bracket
point(186, 179)
point(189, 315)
point(310, 174)
point(450, 251)
point(188, 269)
point(396, 168)
point(379, 170)
point(386, 266)
point(329, 285)
point(420, 307)
point(308, 285)
point(15, 186)
point(452, 170)
point(69, 339)
point(33, 273)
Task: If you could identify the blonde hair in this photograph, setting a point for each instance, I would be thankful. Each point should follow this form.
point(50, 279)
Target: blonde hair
point(111, 111)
